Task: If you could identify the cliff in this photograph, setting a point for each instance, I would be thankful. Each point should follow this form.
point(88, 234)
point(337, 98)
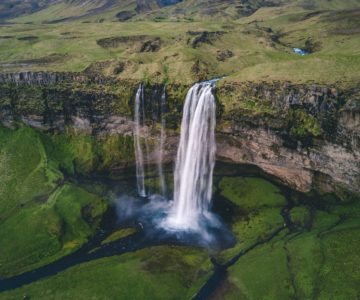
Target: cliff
point(307, 136)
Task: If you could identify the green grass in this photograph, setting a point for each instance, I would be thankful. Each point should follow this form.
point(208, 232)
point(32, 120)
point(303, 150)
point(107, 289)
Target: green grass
point(44, 232)
point(256, 56)
point(306, 264)
point(300, 216)
point(25, 172)
point(76, 152)
point(251, 193)
point(55, 12)
point(341, 257)
point(121, 233)
point(259, 204)
point(155, 273)
point(262, 274)
point(58, 218)
point(41, 218)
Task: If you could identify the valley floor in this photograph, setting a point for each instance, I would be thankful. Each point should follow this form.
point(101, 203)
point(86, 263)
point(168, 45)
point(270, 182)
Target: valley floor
point(288, 245)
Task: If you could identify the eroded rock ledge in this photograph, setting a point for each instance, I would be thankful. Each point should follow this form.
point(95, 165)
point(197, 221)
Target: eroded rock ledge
point(306, 135)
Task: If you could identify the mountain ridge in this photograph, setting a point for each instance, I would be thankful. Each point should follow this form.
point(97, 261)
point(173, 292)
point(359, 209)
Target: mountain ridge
point(54, 11)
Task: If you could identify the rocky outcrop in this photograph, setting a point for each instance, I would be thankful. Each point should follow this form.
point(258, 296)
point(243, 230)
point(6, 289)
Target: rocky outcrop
point(143, 43)
point(306, 135)
point(51, 78)
point(223, 55)
point(125, 15)
point(325, 167)
point(203, 37)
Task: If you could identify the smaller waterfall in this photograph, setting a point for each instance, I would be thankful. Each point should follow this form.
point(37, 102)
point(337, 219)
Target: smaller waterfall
point(195, 160)
point(139, 155)
point(162, 144)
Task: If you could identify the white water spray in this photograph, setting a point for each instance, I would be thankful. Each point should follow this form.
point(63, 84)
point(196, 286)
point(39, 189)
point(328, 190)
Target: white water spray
point(139, 156)
point(195, 160)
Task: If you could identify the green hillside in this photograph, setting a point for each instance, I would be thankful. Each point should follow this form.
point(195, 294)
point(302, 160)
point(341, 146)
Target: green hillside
point(192, 46)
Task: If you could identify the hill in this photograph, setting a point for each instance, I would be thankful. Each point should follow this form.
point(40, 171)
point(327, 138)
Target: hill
point(54, 11)
point(189, 40)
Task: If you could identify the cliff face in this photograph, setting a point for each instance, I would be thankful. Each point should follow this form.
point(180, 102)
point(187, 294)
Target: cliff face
point(307, 136)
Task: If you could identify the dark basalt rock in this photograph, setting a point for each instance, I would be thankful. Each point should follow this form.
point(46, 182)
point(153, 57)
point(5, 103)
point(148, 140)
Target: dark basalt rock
point(114, 42)
point(52, 78)
point(49, 59)
point(125, 15)
point(202, 37)
point(147, 43)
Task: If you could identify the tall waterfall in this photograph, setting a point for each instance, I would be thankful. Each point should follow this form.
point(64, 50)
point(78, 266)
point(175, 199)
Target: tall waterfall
point(195, 159)
point(139, 155)
point(162, 144)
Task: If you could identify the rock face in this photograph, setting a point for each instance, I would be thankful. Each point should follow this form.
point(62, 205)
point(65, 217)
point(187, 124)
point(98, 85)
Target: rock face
point(50, 78)
point(307, 136)
point(322, 166)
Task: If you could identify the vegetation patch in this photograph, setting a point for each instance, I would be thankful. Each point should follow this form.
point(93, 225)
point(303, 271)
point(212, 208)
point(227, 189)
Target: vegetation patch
point(114, 42)
point(303, 264)
point(119, 234)
point(251, 193)
point(42, 218)
point(258, 213)
point(153, 273)
point(303, 126)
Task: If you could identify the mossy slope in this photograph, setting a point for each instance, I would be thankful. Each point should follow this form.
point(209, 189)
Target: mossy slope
point(314, 259)
point(42, 217)
point(258, 206)
point(153, 273)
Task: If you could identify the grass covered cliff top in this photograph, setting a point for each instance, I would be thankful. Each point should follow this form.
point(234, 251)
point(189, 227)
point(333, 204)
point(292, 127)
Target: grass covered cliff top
point(165, 47)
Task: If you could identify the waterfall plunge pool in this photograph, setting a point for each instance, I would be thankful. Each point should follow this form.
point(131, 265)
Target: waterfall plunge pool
point(251, 207)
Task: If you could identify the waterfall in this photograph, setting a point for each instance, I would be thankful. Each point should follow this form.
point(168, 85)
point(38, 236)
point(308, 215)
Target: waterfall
point(139, 156)
point(195, 159)
point(147, 151)
point(162, 144)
